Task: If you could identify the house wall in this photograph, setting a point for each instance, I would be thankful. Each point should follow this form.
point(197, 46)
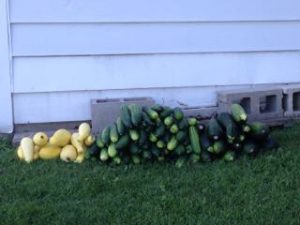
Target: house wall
point(181, 52)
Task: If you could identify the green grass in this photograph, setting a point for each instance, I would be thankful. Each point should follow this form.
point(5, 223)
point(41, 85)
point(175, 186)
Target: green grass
point(264, 190)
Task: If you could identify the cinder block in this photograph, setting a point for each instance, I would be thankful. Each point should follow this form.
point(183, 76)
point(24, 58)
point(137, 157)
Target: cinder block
point(106, 111)
point(259, 103)
point(202, 113)
point(291, 100)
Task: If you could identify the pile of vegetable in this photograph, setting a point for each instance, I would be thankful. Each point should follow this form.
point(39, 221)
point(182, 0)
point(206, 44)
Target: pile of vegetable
point(62, 144)
point(159, 133)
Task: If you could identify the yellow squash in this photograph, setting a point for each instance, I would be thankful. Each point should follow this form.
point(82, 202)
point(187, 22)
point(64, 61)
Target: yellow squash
point(49, 152)
point(60, 138)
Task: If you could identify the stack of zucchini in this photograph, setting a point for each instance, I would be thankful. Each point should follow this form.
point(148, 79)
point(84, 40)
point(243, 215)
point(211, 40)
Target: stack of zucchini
point(159, 133)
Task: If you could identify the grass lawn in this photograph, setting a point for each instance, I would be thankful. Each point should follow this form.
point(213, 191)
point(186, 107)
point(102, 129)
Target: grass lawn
point(264, 190)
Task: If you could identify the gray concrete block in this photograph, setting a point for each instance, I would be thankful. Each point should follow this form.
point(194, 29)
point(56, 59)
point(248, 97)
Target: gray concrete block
point(291, 100)
point(259, 103)
point(106, 111)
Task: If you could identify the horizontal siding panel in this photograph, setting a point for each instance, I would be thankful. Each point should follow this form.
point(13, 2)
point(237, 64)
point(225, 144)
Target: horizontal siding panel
point(98, 39)
point(154, 10)
point(52, 74)
point(75, 106)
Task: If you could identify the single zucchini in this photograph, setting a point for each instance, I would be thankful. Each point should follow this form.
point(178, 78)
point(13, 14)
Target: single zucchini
point(239, 115)
point(120, 126)
point(214, 130)
point(160, 131)
point(183, 124)
point(229, 156)
point(231, 129)
point(192, 121)
point(219, 147)
point(134, 135)
point(152, 114)
point(168, 121)
point(136, 114)
point(104, 155)
point(167, 111)
point(194, 139)
point(125, 116)
point(172, 144)
point(205, 143)
point(174, 129)
point(181, 136)
point(114, 135)
point(112, 151)
point(105, 135)
point(178, 114)
point(123, 142)
point(99, 141)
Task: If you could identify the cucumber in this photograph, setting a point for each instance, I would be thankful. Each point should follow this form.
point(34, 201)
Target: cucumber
point(205, 143)
point(136, 159)
point(172, 144)
point(205, 156)
point(192, 121)
point(160, 131)
point(194, 158)
point(201, 127)
point(194, 139)
point(92, 151)
point(104, 155)
point(105, 135)
point(180, 150)
point(143, 137)
point(152, 138)
point(120, 126)
point(246, 128)
point(189, 149)
point(134, 135)
point(174, 129)
point(239, 115)
point(125, 116)
point(158, 108)
point(229, 156)
point(270, 144)
point(259, 131)
point(114, 135)
point(168, 121)
point(123, 142)
point(181, 136)
point(100, 142)
point(219, 147)
point(160, 144)
point(117, 160)
point(231, 129)
point(152, 114)
point(147, 120)
point(134, 149)
point(112, 151)
point(214, 130)
point(178, 114)
point(166, 112)
point(183, 124)
point(250, 147)
point(136, 114)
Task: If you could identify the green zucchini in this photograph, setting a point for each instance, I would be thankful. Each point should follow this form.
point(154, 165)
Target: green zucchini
point(152, 114)
point(219, 147)
point(114, 135)
point(167, 111)
point(168, 121)
point(123, 142)
point(152, 138)
point(231, 128)
point(136, 114)
point(125, 116)
point(112, 151)
point(178, 114)
point(134, 135)
point(205, 143)
point(105, 135)
point(214, 130)
point(134, 149)
point(259, 131)
point(174, 129)
point(143, 137)
point(117, 160)
point(181, 136)
point(194, 139)
point(120, 126)
point(172, 144)
point(250, 147)
point(239, 115)
point(229, 156)
point(194, 158)
point(160, 131)
point(99, 141)
point(147, 120)
point(180, 150)
point(92, 151)
point(183, 124)
point(192, 121)
point(189, 149)
point(158, 108)
point(160, 144)
point(104, 155)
